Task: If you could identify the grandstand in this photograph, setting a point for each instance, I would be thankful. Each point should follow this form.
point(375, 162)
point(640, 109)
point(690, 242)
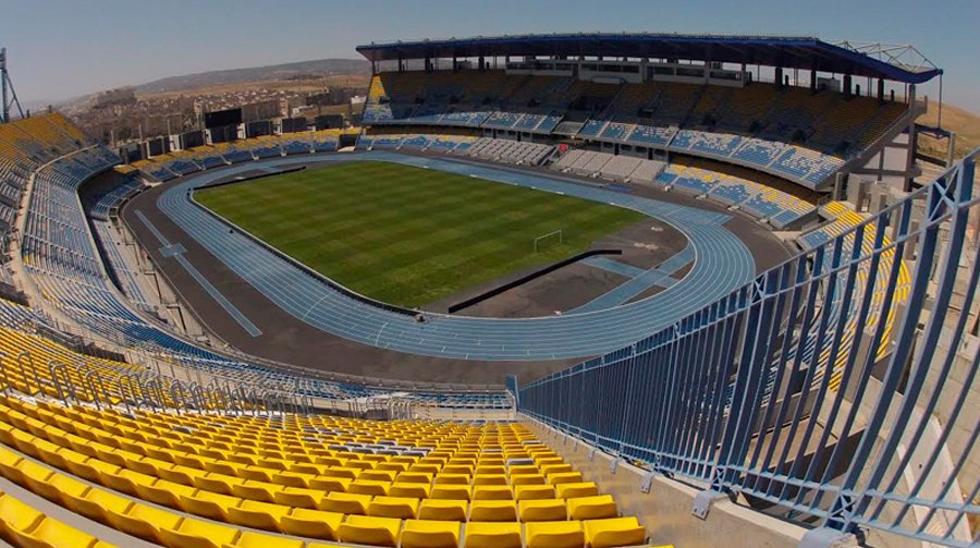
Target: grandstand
point(705, 397)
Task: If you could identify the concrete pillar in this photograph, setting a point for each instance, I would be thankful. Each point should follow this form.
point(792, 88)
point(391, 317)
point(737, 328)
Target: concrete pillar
point(881, 90)
point(910, 157)
point(779, 78)
point(847, 85)
point(857, 190)
point(813, 80)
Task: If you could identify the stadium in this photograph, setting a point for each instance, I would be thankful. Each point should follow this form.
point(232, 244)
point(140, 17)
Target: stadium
point(550, 290)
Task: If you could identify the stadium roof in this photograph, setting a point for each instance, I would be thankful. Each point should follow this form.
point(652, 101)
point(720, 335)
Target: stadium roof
point(874, 60)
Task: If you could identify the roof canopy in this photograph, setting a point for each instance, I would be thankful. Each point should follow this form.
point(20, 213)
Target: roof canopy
point(782, 51)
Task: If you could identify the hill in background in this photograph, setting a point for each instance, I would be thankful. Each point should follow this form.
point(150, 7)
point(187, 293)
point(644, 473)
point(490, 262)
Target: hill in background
point(286, 71)
point(964, 123)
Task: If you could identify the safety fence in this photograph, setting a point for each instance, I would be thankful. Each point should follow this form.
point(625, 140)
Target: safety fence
point(837, 390)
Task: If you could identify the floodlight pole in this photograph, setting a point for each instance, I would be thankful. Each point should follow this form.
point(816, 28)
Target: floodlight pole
point(8, 96)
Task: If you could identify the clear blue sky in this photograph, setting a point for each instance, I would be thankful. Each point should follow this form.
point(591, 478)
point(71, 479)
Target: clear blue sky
point(63, 48)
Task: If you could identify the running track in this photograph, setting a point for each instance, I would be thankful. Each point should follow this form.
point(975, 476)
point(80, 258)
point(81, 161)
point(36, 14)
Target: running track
point(721, 263)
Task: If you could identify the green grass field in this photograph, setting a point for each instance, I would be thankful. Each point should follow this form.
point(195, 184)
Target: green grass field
point(410, 236)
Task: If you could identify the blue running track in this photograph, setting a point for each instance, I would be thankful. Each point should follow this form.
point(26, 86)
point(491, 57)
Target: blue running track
point(721, 263)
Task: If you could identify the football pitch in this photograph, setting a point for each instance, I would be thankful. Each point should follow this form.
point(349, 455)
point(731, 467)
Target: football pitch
point(411, 236)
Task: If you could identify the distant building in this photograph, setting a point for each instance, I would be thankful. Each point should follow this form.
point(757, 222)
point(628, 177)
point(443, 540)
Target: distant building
point(115, 97)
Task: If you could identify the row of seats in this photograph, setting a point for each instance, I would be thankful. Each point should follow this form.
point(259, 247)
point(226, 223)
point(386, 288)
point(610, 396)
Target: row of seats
point(843, 220)
point(126, 496)
point(416, 142)
point(183, 162)
point(23, 525)
point(66, 267)
point(509, 151)
point(757, 129)
point(778, 208)
point(588, 163)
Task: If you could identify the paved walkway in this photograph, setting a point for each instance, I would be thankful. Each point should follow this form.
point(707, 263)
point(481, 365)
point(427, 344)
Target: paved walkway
point(640, 280)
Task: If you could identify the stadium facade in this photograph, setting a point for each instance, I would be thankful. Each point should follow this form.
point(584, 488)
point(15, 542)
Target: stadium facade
point(826, 401)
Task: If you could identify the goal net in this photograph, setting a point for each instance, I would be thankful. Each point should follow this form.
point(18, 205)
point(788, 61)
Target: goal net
point(542, 241)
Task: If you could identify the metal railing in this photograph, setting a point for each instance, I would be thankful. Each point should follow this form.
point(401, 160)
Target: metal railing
point(837, 390)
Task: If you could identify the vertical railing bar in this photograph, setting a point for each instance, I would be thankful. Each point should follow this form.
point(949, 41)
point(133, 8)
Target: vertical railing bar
point(723, 383)
point(682, 387)
point(940, 444)
point(693, 427)
point(828, 368)
point(876, 339)
point(809, 312)
point(758, 363)
point(780, 278)
point(954, 251)
point(895, 367)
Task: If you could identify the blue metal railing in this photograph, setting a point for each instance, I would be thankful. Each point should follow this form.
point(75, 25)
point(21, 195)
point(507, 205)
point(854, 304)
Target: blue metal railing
point(839, 387)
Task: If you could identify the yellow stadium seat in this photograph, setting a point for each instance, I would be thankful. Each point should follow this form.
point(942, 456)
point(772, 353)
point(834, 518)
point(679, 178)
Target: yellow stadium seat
point(457, 470)
point(430, 534)
point(550, 469)
point(554, 534)
point(217, 483)
point(369, 530)
point(414, 477)
point(534, 492)
point(490, 470)
point(490, 479)
point(450, 491)
point(330, 483)
point(346, 503)
point(194, 533)
point(143, 521)
point(126, 480)
point(527, 479)
point(597, 507)
point(522, 469)
point(564, 477)
point(542, 510)
point(299, 497)
point(493, 510)
point(207, 504)
point(492, 535)
point(452, 479)
point(16, 515)
point(261, 515)
point(578, 489)
point(8, 465)
point(605, 533)
point(31, 473)
point(59, 488)
point(413, 490)
point(368, 487)
point(443, 510)
point(292, 479)
point(312, 523)
point(164, 492)
point(393, 507)
point(492, 492)
point(256, 490)
point(100, 504)
point(50, 532)
point(248, 539)
point(377, 475)
point(257, 473)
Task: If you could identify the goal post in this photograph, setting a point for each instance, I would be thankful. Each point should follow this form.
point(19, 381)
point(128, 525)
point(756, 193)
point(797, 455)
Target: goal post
point(559, 234)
